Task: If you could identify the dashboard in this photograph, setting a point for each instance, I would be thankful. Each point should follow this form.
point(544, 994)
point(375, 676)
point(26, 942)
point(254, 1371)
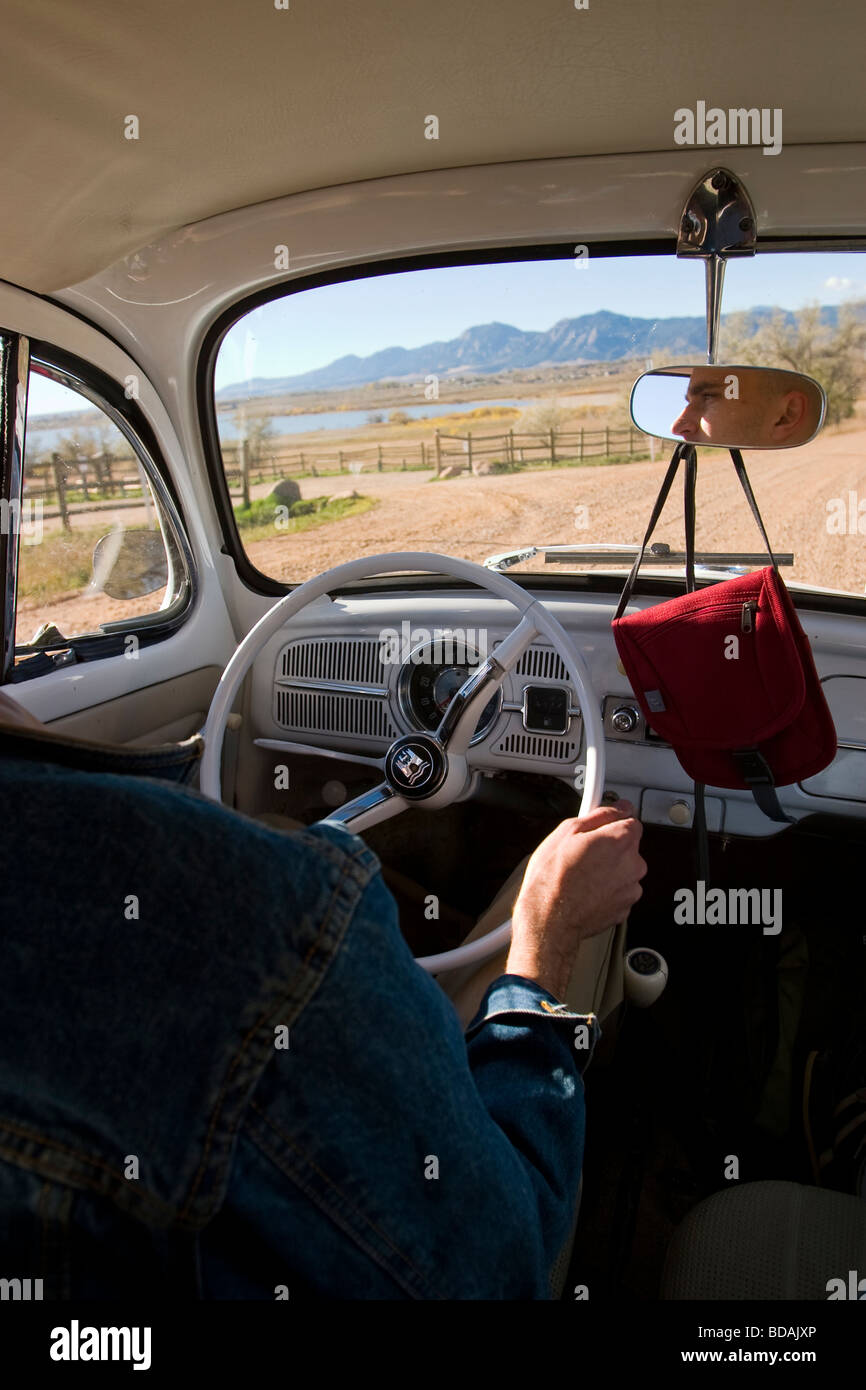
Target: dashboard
point(350, 675)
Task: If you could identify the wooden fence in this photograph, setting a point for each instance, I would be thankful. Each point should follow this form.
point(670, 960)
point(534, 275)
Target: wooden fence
point(103, 477)
point(453, 452)
point(91, 481)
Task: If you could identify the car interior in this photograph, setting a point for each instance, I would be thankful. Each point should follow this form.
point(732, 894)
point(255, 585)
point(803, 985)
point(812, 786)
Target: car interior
point(341, 353)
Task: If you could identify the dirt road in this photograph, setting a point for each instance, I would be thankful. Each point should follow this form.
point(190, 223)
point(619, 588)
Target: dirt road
point(476, 517)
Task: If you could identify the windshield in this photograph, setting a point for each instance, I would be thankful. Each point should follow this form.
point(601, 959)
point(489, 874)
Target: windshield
point(483, 410)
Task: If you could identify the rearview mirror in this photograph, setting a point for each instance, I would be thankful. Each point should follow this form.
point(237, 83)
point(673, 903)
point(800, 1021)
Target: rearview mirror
point(729, 407)
point(128, 564)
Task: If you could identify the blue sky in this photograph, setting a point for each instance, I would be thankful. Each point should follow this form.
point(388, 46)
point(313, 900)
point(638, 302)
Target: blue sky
point(309, 330)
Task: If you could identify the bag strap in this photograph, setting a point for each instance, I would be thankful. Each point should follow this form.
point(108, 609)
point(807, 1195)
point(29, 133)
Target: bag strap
point(750, 498)
point(680, 452)
point(689, 454)
point(689, 486)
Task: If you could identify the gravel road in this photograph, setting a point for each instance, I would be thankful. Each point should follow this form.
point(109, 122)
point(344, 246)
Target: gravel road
point(476, 517)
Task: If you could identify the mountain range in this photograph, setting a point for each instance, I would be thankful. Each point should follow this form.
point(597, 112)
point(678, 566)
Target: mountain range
point(497, 347)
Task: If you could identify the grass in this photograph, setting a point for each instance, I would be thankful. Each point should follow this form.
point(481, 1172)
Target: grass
point(266, 513)
point(60, 564)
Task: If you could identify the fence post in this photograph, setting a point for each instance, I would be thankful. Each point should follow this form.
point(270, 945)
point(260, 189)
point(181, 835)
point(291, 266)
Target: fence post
point(469, 451)
point(581, 444)
point(511, 445)
point(438, 453)
point(630, 441)
point(245, 472)
point(607, 441)
point(301, 457)
point(60, 484)
point(340, 455)
point(552, 445)
point(423, 455)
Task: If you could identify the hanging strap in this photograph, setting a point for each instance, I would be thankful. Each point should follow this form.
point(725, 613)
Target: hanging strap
point(680, 452)
point(702, 839)
point(689, 485)
point(759, 779)
point(750, 498)
point(752, 764)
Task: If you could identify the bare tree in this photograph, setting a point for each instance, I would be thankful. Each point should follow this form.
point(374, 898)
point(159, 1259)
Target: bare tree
point(77, 449)
point(831, 353)
point(547, 415)
point(259, 435)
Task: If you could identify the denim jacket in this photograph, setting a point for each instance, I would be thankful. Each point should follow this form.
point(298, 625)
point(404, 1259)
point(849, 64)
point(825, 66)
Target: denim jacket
point(222, 1075)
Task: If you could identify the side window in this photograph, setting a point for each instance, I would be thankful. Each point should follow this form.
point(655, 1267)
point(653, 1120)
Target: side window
point(97, 547)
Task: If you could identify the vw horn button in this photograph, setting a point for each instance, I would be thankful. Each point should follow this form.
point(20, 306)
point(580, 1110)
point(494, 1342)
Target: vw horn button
point(415, 766)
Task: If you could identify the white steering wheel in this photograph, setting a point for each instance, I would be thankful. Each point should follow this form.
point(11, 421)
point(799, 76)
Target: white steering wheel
point(427, 770)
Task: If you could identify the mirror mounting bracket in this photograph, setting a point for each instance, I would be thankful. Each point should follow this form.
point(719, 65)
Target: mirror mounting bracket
point(718, 221)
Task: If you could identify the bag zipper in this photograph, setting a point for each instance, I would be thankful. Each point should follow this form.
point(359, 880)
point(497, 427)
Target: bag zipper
point(747, 615)
point(709, 612)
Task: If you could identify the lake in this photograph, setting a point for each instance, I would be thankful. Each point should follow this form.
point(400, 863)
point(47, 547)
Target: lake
point(351, 419)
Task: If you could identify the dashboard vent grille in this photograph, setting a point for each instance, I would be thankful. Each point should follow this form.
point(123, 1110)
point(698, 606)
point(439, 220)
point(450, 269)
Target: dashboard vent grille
point(352, 660)
point(329, 713)
point(560, 750)
point(542, 663)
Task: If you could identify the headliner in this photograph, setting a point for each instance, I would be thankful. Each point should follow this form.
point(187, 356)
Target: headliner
point(239, 104)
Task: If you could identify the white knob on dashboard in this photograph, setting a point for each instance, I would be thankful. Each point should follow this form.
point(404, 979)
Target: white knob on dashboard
point(680, 812)
point(646, 974)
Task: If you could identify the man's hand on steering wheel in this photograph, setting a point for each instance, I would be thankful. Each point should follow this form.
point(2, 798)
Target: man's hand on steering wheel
point(583, 878)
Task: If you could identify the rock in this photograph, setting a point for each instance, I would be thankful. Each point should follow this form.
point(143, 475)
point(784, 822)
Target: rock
point(287, 491)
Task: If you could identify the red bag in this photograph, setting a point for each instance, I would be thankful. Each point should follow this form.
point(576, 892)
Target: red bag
point(725, 674)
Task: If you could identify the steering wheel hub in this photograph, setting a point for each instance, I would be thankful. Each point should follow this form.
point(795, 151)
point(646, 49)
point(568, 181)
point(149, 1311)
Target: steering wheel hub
point(416, 766)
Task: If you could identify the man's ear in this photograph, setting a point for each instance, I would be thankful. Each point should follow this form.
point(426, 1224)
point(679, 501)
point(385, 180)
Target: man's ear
point(790, 418)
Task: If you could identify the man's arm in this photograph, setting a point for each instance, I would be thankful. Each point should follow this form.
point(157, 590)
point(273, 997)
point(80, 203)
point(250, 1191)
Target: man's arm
point(385, 1154)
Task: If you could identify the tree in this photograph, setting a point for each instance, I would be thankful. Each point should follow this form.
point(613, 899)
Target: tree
point(804, 342)
point(107, 435)
point(259, 434)
point(547, 415)
point(77, 449)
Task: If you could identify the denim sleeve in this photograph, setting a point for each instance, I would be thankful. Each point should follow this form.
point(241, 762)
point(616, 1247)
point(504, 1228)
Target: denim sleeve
point(527, 1052)
point(387, 1155)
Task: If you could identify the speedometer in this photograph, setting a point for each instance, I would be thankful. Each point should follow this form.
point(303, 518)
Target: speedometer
point(427, 686)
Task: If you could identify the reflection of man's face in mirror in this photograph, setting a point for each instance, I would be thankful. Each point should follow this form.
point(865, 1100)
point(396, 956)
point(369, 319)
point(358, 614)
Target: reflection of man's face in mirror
point(749, 409)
